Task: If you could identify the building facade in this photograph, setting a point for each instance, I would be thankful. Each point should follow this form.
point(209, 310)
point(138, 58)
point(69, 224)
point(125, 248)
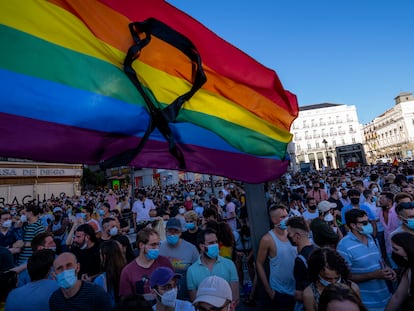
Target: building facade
point(319, 129)
point(391, 135)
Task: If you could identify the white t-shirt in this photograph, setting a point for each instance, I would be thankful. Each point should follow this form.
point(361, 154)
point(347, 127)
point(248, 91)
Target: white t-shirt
point(141, 209)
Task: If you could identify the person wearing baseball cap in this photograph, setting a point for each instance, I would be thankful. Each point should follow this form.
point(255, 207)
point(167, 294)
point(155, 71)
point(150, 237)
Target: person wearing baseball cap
point(324, 229)
point(214, 292)
point(163, 282)
point(180, 252)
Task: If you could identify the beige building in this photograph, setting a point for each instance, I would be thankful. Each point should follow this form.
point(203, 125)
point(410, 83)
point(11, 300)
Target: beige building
point(319, 129)
point(391, 135)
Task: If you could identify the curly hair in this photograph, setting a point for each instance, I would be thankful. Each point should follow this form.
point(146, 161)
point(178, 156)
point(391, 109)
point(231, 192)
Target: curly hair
point(326, 257)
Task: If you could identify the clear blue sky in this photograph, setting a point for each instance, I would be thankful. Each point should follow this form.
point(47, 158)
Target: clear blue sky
point(353, 52)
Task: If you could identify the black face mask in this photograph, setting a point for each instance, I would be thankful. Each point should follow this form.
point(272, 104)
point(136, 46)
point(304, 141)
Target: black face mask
point(399, 260)
point(315, 188)
point(355, 201)
point(312, 207)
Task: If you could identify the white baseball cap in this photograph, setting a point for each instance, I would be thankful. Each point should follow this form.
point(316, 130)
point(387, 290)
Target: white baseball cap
point(324, 206)
point(214, 290)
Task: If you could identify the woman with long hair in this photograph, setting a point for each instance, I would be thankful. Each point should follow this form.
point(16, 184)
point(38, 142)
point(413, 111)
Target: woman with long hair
point(403, 256)
point(112, 262)
point(325, 267)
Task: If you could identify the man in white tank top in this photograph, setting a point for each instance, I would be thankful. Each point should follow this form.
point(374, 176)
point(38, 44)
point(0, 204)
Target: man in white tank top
point(274, 245)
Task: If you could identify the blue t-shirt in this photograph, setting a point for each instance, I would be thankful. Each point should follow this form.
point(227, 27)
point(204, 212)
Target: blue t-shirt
point(32, 296)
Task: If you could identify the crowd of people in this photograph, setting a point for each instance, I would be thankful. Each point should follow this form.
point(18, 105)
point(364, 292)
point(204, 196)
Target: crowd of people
point(337, 239)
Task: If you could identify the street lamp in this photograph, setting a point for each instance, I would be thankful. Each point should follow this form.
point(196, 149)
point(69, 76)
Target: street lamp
point(326, 150)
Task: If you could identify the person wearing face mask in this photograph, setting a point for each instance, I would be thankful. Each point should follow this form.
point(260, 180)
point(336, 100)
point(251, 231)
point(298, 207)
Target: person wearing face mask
point(354, 195)
point(318, 193)
point(141, 211)
point(324, 229)
point(10, 236)
point(214, 293)
point(191, 223)
point(31, 228)
point(181, 253)
point(298, 235)
point(135, 275)
point(75, 294)
point(403, 256)
point(325, 267)
point(275, 246)
point(211, 263)
point(363, 257)
point(86, 249)
point(405, 212)
point(59, 226)
point(164, 283)
point(387, 221)
point(311, 211)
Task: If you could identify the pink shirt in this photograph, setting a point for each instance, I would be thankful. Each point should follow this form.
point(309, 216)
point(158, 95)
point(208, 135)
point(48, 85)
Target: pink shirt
point(393, 223)
point(135, 279)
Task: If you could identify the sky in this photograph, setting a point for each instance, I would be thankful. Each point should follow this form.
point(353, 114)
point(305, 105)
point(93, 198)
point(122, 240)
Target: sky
point(352, 52)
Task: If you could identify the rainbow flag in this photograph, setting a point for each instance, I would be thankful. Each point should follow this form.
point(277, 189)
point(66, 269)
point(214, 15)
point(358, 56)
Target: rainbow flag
point(139, 82)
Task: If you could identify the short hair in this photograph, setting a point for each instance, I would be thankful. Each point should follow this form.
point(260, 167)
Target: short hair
point(89, 208)
point(275, 207)
point(388, 195)
point(352, 215)
point(88, 230)
point(366, 192)
point(326, 257)
point(5, 212)
point(339, 292)
point(39, 264)
point(353, 193)
point(402, 195)
point(208, 212)
point(201, 236)
point(297, 222)
point(332, 190)
point(144, 234)
point(33, 208)
point(106, 204)
point(106, 220)
point(358, 182)
point(39, 240)
point(308, 199)
point(191, 215)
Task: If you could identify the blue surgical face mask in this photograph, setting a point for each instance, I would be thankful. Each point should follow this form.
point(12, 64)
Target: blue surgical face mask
point(173, 239)
point(101, 212)
point(367, 229)
point(190, 225)
point(409, 222)
point(325, 282)
point(282, 224)
point(153, 253)
point(67, 278)
point(113, 231)
point(213, 251)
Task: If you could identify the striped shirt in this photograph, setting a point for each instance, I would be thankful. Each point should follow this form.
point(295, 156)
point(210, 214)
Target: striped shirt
point(90, 297)
point(361, 259)
point(29, 232)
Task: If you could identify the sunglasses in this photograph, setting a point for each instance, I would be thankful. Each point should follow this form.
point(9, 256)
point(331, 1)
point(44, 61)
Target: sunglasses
point(364, 223)
point(406, 205)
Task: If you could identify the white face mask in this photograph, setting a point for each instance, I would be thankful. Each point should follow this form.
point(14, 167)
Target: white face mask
point(169, 298)
point(23, 218)
point(7, 224)
point(328, 217)
point(375, 190)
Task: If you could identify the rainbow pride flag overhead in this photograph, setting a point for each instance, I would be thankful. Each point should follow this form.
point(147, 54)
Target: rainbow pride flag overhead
point(137, 83)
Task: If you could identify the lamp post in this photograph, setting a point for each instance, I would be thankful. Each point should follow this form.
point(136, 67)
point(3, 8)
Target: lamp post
point(326, 150)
